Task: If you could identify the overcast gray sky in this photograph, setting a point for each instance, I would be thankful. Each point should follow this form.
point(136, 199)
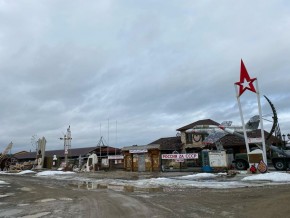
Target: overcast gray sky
point(135, 71)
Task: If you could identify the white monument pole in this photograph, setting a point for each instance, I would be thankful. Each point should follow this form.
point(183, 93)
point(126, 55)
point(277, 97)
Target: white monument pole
point(261, 123)
point(243, 122)
point(246, 83)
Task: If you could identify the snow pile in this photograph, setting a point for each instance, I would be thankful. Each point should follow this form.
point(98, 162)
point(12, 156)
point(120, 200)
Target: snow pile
point(274, 177)
point(199, 176)
point(180, 182)
point(25, 172)
point(3, 183)
point(198, 180)
point(52, 173)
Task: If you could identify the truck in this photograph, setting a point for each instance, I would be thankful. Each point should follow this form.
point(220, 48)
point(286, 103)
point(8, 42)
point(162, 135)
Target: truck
point(280, 159)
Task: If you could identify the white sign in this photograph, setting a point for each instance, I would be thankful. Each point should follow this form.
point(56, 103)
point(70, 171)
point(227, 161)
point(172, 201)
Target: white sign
point(115, 157)
point(254, 140)
point(218, 159)
point(179, 160)
point(105, 162)
point(138, 151)
point(180, 156)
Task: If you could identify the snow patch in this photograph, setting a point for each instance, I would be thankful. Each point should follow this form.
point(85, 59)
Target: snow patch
point(22, 205)
point(3, 183)
point(46, 200)
point(52, 173)
point(37, 215)
point(65, 199)
point(25, 172)
point(274, 177)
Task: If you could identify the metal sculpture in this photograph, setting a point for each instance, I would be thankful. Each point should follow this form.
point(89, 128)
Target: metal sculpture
point(275, 127)
point(6, 159)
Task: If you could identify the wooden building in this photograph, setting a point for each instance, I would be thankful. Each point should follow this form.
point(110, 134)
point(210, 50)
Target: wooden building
point(142, 158)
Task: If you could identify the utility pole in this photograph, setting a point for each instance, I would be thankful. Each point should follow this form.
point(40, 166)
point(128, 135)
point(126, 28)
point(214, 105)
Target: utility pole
point(67, 144)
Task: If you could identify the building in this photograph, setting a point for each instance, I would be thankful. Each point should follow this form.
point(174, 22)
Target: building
point(169, 145)
point(142, 158)
point(77, 157)
point(192, 142)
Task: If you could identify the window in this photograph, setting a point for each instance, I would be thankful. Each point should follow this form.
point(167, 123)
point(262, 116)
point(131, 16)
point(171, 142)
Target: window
point(188, 137)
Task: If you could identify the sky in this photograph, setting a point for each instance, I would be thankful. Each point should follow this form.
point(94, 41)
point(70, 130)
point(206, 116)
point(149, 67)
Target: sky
point(135, 71)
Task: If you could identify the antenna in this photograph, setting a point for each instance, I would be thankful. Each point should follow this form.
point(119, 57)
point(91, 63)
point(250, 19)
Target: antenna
point(116, 140)
point(34, 141)
point(67, 144)
point(108, 137)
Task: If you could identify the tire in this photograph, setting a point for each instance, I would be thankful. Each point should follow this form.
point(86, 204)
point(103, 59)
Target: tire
point(280, 165)
point(241, 165)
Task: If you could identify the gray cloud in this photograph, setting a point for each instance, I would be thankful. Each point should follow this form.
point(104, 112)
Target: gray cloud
point(151, 69)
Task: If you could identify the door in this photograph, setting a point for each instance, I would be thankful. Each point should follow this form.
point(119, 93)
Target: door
point(141, 162)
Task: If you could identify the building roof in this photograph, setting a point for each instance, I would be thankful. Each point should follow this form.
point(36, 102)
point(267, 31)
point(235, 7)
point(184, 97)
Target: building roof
point(232, 140)
point(141, 147)
point(199, 122)
point(73, 152)
point(169, 143)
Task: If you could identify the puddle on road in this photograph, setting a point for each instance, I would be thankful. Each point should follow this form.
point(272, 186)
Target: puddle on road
point(123, 188)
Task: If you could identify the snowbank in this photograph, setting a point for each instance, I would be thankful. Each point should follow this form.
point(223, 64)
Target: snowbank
point(51, 173)
point(274, 177)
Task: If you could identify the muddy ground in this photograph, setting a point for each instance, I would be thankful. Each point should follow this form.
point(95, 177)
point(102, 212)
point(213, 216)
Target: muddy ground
point(30, 196)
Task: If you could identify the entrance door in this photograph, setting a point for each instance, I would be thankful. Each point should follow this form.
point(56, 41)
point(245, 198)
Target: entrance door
point(141, 162)
point(155, 164)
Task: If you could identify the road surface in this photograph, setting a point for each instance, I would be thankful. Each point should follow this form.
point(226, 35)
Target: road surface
point(30, 196)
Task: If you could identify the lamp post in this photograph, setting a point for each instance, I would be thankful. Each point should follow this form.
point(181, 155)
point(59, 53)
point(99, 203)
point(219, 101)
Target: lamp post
point(64, 147)
point(67, 144)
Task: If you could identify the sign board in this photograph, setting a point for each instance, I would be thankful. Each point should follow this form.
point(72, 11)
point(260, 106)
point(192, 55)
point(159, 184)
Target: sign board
point(115, 157)
point(138, 151)
point(105, 162)
point(254, 140)
point(179, 160)
point(217, 159)
point(255, 156)
point(180, 156)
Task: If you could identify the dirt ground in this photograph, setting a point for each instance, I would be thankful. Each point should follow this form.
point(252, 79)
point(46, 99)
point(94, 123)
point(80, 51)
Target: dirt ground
point(30, 196)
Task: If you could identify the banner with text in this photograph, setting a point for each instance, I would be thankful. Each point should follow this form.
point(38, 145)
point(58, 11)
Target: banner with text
point(180, 156)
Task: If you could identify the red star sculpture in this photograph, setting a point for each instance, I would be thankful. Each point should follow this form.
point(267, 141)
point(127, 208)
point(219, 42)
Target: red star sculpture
point(245, 81)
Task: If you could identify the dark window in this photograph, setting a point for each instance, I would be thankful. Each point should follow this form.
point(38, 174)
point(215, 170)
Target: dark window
point(188, 137)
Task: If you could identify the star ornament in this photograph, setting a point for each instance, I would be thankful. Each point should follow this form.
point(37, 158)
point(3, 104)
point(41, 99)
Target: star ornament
point(245, 81)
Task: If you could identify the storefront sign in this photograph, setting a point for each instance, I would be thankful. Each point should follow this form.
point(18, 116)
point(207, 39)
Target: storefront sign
point(138, 151)
point(218, 159)
point(179, 160)
point(180, 156)
point(115, 157)
point(254, 140)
